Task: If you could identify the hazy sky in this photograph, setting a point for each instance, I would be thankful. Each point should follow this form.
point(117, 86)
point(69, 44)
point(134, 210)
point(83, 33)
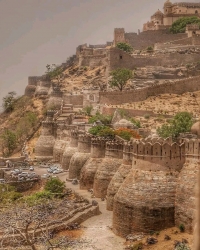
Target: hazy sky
point(34, 33)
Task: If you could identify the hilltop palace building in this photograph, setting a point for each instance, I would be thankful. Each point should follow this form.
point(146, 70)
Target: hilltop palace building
point(171, 12)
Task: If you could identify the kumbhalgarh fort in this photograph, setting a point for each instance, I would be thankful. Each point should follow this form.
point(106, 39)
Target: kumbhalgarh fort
point(122, 121)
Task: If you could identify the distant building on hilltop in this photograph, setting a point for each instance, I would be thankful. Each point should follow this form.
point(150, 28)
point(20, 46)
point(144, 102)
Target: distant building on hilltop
point(172, 12)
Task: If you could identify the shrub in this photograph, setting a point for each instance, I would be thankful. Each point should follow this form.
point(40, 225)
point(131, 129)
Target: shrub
point(125, 47)
point(149, 48)
point(102, 131)
point(136, 122)
point(8, 142)
point(146, 116)
point(105, 119)
point(9, 101)
point(182, 246)
point(8, 193)
point(54, 186)
point(179, 26)
point(182, 228)
point(126, 133)
point(181, 123)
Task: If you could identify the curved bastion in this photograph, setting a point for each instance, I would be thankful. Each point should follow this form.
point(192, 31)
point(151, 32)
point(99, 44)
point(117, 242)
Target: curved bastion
point(108, 167)
point(79, 158)
point(185, 203)
point(146, 199)
point(45, 143)
point(55, 101)
point(70, 149)
point(98, 148)
point(120, 175)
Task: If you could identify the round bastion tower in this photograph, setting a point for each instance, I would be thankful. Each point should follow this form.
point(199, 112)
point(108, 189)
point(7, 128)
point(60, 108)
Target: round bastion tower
point(121, 174)
point(70, 149)
point(79, 158)
point(108, 167)
point(146, 199)
point(98, 148)
point(185, 203)
point(45, 143)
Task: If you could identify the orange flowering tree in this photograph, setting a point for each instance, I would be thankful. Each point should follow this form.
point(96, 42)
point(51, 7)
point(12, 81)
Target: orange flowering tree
point(127, 133)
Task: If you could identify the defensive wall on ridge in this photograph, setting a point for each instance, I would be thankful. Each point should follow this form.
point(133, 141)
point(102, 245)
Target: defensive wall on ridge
point(177, 87)
point(119, 59)
point(146, 38)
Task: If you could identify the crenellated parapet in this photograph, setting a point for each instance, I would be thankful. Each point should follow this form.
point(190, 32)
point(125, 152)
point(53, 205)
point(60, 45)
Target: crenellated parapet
point(84, 142)
point(128, 153)
point(114, 149)
point(192, 149)
point(98, 147)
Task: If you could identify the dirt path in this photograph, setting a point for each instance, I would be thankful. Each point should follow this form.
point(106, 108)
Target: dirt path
point(97, 229)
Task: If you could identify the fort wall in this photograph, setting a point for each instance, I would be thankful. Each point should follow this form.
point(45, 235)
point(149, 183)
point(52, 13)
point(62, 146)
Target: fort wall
point(177, 87)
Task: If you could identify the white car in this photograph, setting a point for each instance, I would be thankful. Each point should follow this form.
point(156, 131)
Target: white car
point(31, 168)
point(45, 176)
point(57, 171)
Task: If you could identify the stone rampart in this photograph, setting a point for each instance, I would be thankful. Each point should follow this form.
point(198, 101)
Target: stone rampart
point(149, 38)
point(176, 87)
point(108, 167)
point(120, 175)
point(98, 147)
point(153, 177)
point(81, 156)
point(119, 59)
point(73, 99)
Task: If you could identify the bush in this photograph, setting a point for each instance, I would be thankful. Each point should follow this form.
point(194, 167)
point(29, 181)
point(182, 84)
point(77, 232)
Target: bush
point(102, 131)
point(8, 193)
point(38, 196)
point(149, 48)
point(179, 26)
point(136, 122)
point(146, 116)
point(182, 246)
point(181, 123)
point(8, 142)
point(54, 186)
point(125, 47)
point(182, 228)
point(9, 101)
point(105, 119)
point(126, 133)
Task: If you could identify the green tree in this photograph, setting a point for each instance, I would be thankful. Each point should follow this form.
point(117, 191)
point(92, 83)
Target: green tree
point(55, 72)
point(102, 131)
point(55, 186)
point(125, 47)
point(8, 142)
point(179, 26)
point(181, 123)
point(9, 101)
point(120, 78)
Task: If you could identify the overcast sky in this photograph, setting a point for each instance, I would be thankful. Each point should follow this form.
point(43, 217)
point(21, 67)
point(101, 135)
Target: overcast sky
point(34, 33)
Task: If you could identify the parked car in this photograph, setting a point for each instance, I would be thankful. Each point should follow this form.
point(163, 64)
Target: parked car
point(2, 181)
point(45, 176)
point(57, 171)
point(23, 174)
point(31, 168)
point(15, 171)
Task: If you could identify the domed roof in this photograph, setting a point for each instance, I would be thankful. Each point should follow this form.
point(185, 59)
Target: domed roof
point(168, 3)
point(158, 12)
point(123, 121)
point(195, 129)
